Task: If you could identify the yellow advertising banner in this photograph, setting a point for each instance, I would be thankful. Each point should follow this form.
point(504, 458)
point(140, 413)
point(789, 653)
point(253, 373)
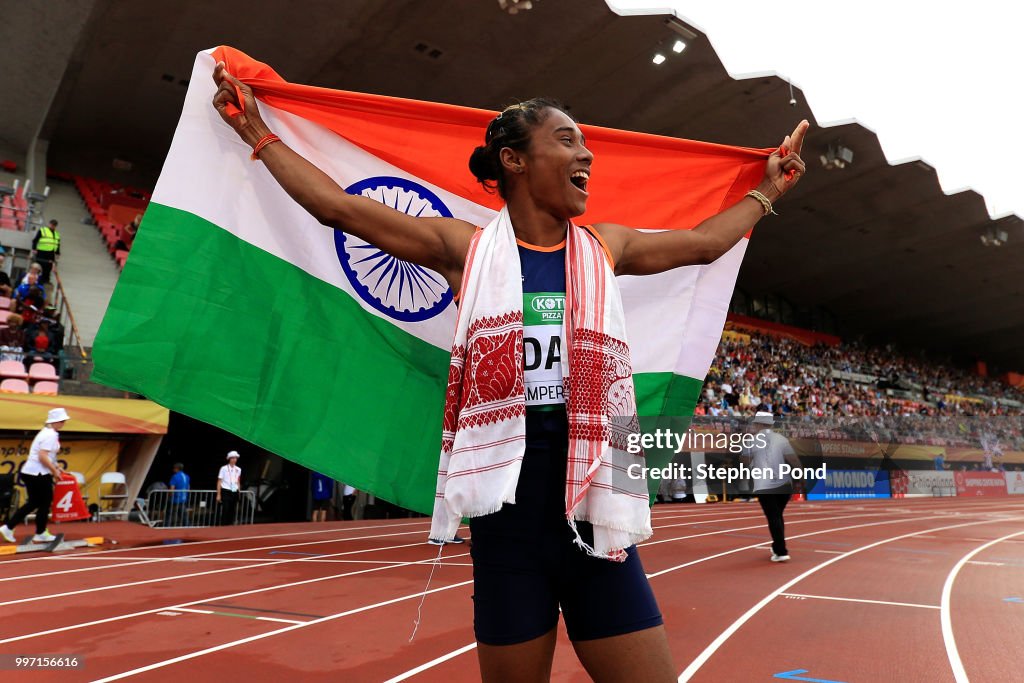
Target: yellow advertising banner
point(860, 449)
point(730, 335)
point(978, 455)
point(91, 458)
point(88, 414)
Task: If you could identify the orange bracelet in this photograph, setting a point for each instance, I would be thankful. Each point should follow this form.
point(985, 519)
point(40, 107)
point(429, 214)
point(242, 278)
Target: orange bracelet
point(264, 141)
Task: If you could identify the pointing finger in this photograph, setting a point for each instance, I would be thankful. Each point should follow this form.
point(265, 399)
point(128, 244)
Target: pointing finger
point(798, 135)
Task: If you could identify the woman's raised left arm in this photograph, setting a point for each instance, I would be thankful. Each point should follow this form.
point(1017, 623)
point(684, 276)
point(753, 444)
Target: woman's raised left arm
point(646, 253)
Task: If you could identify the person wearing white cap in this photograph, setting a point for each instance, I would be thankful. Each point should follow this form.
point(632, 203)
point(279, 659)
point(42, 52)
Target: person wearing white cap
point(774, 490)
point(229, 482)
point(38, 474)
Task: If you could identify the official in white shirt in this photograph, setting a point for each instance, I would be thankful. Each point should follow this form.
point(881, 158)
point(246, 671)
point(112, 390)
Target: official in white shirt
point(773, 492)
point(38, 474)
point(229, 483)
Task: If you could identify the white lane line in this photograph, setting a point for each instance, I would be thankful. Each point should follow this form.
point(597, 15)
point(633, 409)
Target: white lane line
point(210, 554)
point(270, 588)
point(869, 602)
point(703, 657)
point(179, 577)
point(647, 544)
point(206, 611)
point(189, 609)
point(289, 585)
point(946, 618)
point(181, 558)
point(280, 621)
point(762, 544)
point(190, 544)
point(832, 507)
point(937, 514)
point(286, 629)
point(431, 664)
point(226, 596)
point(147, 560)
point(313, 560)
point(812, 533)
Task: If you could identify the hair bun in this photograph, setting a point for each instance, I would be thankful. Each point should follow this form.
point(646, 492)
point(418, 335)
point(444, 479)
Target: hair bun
point(483, 164)
point(511, 128)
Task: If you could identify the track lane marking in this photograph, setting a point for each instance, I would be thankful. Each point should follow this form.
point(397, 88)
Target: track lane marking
point(713, 647)
point(223, 540)
point(241, 616)
point(179, 577)
point(948, 639)
point(869, 602)
point(180, 558)
point(276, 587)
point(227, 596)
point(431, 664)
point(286, 629)
point(258, 590)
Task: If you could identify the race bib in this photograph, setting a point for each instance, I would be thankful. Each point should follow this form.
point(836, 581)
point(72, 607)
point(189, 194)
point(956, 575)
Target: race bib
point(543, 314)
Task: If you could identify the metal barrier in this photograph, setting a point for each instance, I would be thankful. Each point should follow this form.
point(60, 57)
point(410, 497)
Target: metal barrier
point(193, 508)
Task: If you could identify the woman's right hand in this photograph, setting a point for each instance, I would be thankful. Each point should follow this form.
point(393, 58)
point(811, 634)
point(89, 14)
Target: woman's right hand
point(246, 122)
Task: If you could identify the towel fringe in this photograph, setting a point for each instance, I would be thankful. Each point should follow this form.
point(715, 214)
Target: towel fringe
point(423, 598)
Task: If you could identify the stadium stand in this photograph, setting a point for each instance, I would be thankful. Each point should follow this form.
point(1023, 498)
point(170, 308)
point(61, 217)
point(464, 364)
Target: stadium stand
point(852, 392)
point(115, 210)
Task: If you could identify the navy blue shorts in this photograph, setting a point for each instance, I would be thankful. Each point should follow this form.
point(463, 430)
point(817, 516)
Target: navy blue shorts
point(526, 566)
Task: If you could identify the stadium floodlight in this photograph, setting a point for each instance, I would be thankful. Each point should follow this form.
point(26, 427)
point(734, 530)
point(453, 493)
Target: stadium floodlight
point(678, 47)
point(994, 237)
point(836, 156)
point(658, 58)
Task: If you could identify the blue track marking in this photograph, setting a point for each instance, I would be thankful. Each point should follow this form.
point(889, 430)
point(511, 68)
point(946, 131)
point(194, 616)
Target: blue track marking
point(794, 675)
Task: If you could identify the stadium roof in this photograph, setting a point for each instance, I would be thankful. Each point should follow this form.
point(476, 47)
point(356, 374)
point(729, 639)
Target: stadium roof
point(879, 245)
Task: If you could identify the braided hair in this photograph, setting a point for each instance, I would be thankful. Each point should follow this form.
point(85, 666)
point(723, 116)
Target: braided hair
point(511, 128)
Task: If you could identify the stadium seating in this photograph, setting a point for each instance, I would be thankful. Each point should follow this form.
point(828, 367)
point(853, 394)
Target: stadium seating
point(12, 369)
point(112, 206)
point(46, 388)
point(767, 370)
point(42, 372)
point(14, 386)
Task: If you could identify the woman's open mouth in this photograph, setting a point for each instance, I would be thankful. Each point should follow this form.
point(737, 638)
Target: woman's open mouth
point(579, 179)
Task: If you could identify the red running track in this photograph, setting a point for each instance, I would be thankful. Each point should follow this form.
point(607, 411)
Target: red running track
point(910, 590)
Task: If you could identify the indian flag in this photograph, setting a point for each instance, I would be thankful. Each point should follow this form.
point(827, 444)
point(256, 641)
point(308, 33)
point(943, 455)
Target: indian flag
point(237, 308)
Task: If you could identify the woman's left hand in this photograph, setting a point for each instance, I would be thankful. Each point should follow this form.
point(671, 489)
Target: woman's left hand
point(785, 167)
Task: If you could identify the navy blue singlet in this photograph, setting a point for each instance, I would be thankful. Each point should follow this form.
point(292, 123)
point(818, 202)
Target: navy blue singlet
point(526, 568)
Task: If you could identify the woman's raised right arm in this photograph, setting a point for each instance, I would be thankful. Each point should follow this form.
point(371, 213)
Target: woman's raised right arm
point(436, 243)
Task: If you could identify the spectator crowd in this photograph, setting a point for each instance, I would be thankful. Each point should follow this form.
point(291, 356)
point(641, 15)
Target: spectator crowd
point(854, 391)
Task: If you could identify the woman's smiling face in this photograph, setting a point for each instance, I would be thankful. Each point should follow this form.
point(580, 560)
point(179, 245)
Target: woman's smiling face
point(556, 166)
